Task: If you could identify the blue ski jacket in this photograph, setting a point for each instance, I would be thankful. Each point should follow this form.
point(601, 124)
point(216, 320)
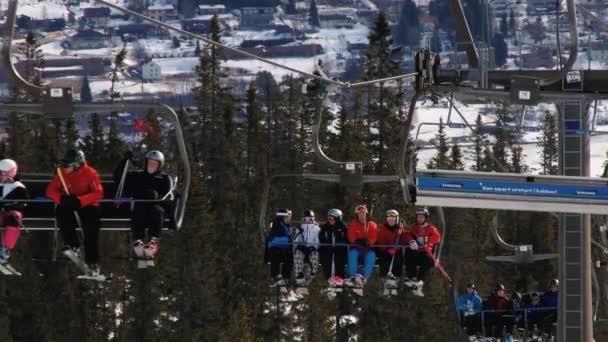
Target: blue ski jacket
point(280, 235)
point(549, 300)
point(469, 302)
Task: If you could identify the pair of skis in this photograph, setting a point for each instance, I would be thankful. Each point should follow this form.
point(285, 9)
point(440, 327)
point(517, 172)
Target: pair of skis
point(9, 270)
point(144, 257)
point(87, 274)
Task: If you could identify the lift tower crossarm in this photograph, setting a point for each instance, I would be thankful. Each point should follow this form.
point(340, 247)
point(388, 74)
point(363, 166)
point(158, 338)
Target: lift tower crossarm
point(508, 191)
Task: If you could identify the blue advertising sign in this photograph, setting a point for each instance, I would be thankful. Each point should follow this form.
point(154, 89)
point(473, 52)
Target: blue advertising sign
point(510, 188)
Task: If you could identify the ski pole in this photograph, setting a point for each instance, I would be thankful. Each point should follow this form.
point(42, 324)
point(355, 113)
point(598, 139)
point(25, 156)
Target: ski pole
point(65, 189)
point(333, 253)
point(121, 184)
point(439, 267)
point(390, 267)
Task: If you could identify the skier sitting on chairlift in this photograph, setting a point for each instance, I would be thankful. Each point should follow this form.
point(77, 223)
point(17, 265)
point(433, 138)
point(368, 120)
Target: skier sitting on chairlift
point(11, 214)
point(391, 234)
point(278, 247)
point(306, 242)
point(423, 236)
point(76, 190)
point(151, 183)
point(363, 232)
point(333, 257)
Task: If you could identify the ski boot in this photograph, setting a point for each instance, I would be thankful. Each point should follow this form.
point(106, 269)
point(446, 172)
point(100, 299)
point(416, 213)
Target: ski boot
point(391, 282)
point(278, 281)
point(350, 282)
point(417, 290)
point(360, 281)
point(410, 282)
point(150, 250)
point(301, 280)
point(5, 253)
point(336, 281)
point(94, 270)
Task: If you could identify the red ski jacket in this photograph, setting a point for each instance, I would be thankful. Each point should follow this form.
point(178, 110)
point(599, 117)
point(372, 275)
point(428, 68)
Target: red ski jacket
point(429, 234)
point(83, 183)
point(356, 231)
point(388, 236)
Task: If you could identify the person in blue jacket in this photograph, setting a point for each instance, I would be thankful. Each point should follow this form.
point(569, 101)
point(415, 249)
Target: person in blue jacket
point(548, 302)
point(469, 307)
point(278, 247)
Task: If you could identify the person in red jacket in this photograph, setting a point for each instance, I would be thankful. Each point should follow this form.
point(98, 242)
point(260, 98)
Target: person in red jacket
point(423, 236)
point(362, 232)
point(391, 234)
point(82, 196)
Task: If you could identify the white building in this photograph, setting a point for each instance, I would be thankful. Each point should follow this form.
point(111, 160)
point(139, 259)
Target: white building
point(151, 71)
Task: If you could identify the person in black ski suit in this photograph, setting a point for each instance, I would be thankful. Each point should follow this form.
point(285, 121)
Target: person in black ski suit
point(334, 229)
point(147, 184)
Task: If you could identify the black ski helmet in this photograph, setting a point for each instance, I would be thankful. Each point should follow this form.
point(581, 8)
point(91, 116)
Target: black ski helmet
point(155, 155)
point(335, 213)
point(554, 283)
point(73, 157)
point(309, 213)
point(471, 285)
point(499, 287)
point(422, 211)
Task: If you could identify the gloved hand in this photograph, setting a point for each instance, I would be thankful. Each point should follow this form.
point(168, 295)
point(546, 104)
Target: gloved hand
point(70, 202)
point(128, 155)
point(391, 250)
point(421, 240)
point(362, 242)
point(413, 245)
point(150, 194)
point(12, 220)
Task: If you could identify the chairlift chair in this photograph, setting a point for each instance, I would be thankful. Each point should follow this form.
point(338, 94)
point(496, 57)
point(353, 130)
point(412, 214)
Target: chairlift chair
point(57, 103)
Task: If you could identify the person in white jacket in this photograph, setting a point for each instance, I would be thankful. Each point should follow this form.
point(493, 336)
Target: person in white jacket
point(306, 248)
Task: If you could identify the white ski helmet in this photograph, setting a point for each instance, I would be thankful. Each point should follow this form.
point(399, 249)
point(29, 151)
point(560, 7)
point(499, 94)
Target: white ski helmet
point(8, 167)
point(156, 155)
point(335, 213)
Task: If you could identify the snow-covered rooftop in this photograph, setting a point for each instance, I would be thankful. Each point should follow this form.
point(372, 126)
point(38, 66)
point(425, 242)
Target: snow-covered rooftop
point(160, 8)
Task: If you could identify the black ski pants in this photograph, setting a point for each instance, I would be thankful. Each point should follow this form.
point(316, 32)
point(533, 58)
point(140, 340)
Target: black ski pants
point(417, 263)
point(472, 323)
point(149, 216)
point(280, 256)
point(385, 263)
point(339, 259)
point(90, 219)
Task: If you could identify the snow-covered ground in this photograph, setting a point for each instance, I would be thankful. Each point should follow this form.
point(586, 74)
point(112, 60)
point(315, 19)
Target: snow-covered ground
point(47, 9)
point(430, 114)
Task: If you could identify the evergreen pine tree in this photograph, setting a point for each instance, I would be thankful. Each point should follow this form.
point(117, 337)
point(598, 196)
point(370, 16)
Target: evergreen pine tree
point(501, 50)
point(517, 162)
point(408, 32)
point(197, 50)
point(478, 142)
point(313, 14)
point(85, 91)
point(456, 158)
point(381, 102)
point(504, 28)
point(291, 7)
point(119, 66)
point(549, 145)
point(95, 143)
point(441, 160)
point(436, 41)
point(115, 146)
point(512, 25)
